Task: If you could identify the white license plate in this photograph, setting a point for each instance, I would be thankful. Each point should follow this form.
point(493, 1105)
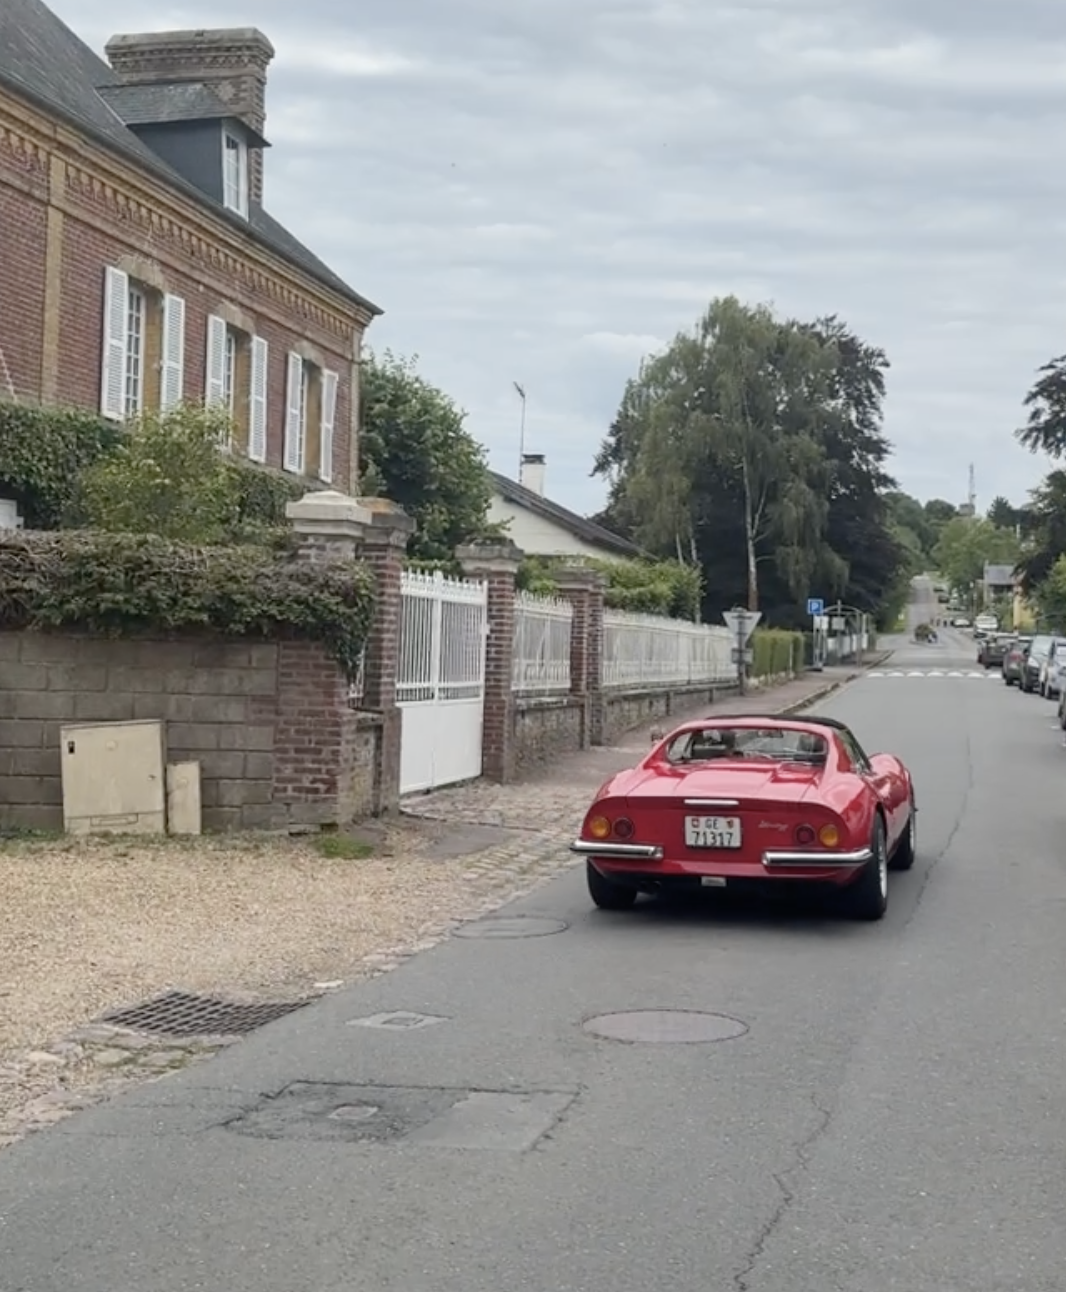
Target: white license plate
point(712, 831)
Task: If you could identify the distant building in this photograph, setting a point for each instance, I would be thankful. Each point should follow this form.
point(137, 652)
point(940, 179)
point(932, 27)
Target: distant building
point(541, 527)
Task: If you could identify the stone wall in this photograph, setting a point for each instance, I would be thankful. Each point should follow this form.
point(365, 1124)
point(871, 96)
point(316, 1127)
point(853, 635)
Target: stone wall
point(260, 717)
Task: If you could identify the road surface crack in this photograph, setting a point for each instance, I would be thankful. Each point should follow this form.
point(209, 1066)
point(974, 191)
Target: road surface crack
point(784, 1180)
point(956, 826)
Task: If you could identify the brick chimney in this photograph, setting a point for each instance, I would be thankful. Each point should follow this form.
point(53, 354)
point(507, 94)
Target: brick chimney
point(232, 61)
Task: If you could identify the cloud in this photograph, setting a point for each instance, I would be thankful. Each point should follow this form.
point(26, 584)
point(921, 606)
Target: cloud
point(546, 192)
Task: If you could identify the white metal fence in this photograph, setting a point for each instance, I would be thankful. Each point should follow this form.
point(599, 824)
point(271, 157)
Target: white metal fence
point(440, 681)
point(646, 650)
point(541, 660)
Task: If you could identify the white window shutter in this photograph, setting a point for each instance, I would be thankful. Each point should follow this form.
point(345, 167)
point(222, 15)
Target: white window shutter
point(329, 417)
point(215, 371)
point(113, 369)
point(257, 402)
point(293, 459)
point(172, 377)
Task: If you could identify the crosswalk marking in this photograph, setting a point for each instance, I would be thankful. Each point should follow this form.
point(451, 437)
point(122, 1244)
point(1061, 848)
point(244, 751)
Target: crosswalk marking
point(987, 675)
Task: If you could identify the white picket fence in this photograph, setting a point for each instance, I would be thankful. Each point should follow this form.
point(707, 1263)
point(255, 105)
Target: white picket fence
point(541, 659)
point(440, 682)
point(646, 650)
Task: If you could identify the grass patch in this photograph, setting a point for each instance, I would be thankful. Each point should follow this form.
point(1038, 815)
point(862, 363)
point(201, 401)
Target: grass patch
point(342, 847)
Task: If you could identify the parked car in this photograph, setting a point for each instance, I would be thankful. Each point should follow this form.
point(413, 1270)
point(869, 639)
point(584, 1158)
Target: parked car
point(1049, 685)
point(960, 621)
point(992, 649)
point(752, 802)
point(1034, 663)
point(1014, 660)
point(985, 625)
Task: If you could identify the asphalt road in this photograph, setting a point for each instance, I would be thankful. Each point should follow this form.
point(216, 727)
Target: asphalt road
point(894, 1117)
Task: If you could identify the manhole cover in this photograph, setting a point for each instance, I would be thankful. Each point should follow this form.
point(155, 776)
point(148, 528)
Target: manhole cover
point(180, 1014)
point(512, 926)
point(666, 1027)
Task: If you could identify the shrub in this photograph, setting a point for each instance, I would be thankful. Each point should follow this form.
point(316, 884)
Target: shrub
point(775, 651)
point(664, 588)
point(43, 453)
point(118, 584)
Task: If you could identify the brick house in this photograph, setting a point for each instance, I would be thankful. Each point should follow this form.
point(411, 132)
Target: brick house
point(139, 265)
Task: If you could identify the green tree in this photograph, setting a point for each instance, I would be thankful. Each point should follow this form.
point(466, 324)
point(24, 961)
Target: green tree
point(416, 450)
point(1044, 525)
point(967, 544)
point(1050, 595)
point(753, 448)
point(1045, 428)
point(166, 476)
point(1002, 514)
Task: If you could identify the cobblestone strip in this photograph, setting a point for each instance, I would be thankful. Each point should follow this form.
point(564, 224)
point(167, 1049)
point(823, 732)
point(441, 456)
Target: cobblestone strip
point(98, 1061)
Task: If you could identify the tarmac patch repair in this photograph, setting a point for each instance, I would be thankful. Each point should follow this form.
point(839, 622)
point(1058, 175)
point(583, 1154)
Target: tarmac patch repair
point(411, 1116)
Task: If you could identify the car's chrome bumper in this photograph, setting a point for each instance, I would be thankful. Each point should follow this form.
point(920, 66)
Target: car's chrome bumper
point(618, 851)
point(858, 857)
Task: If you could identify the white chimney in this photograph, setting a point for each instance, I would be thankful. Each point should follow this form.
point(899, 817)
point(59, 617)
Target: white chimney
point(532, 476)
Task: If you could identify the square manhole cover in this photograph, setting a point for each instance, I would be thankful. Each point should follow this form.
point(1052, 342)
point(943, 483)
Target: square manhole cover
point(414, 1116)
point(180, 1014)
point(400, 1020)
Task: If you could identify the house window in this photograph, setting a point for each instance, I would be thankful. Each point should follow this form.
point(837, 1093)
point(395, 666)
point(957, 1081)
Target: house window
point(235, 174)
point(136, 328)
point(311, 410)
point(143, 347)
point(236, 379)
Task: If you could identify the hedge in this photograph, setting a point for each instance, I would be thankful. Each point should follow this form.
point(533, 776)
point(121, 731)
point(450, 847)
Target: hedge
point(120, 584)
point(775, 651)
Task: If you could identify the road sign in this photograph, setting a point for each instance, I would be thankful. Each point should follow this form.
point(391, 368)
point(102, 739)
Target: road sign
point(746, 656)
point(740, 621)
point(815, 606)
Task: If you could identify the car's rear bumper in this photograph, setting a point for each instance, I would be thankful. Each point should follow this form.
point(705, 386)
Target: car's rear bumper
point(647, 864)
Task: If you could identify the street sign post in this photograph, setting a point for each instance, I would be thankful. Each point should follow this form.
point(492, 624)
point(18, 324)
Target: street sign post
point(816, 610)
point(741, 623)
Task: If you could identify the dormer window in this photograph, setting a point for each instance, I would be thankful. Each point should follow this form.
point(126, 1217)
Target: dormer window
point(235, 173)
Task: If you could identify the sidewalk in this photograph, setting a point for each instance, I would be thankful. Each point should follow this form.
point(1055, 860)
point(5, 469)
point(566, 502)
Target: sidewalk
point(547, 806)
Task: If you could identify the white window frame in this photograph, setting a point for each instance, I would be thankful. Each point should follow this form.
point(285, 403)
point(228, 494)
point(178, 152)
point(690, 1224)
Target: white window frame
point(295, 447)
point(235, 172)
point(327, 423)
point(136, 328)
point(229, 373)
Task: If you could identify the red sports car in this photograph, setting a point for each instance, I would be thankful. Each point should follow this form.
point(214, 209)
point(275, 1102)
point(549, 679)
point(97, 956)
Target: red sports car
point(739, 802)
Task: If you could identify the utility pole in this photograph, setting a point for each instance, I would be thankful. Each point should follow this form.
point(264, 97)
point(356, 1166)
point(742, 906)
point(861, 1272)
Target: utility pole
point(521, 430)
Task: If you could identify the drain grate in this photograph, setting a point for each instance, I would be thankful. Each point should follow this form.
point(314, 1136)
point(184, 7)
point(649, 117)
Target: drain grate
point(180, 1014)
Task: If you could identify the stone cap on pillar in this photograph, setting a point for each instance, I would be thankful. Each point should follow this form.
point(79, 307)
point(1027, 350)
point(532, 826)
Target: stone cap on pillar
point(496, 557)
point(328, 513)
point(384, 514)
point(574, 578)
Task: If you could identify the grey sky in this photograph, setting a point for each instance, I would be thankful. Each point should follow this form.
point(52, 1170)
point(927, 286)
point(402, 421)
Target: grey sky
point(544, 191)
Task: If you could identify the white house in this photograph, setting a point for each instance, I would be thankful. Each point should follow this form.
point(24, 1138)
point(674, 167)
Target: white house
point(540, 527)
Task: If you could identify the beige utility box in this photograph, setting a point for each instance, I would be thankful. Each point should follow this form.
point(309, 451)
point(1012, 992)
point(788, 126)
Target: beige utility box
point(114, 777)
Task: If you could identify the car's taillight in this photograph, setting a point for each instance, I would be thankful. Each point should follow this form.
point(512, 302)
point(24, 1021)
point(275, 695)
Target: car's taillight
point(599, 827)
point(805, 835)
point(829, 836)
point(623, 828)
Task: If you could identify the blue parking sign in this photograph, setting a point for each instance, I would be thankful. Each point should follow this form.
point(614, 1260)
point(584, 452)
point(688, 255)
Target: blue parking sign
point(815, 606)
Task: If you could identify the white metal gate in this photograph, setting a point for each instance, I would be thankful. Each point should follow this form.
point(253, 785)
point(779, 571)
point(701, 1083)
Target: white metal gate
point(440, 685)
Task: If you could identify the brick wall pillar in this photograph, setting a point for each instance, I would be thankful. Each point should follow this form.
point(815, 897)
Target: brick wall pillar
point(317, 723)
point(385, 540)
point(497, 565)
point(584, 590)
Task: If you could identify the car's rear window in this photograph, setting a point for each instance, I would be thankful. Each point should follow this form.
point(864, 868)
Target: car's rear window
point(709, 743)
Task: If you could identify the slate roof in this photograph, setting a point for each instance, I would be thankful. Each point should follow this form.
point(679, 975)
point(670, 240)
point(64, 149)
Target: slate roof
point(170, 102)
point(579, 526)
point(42, 60)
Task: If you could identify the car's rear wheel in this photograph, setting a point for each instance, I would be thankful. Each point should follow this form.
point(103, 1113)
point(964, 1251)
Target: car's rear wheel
point(907, 848)
point(866, 898)
point(606, 894)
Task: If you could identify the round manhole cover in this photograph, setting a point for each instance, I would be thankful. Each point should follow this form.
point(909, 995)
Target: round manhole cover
point(354, 1113)
point(666, 1027)
point(512, 926)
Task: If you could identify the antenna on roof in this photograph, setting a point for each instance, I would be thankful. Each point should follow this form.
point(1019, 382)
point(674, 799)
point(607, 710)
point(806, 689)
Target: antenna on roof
point(521, 428)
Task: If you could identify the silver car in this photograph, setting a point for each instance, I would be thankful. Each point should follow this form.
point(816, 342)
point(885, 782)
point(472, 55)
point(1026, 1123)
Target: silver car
point(1053, 669)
